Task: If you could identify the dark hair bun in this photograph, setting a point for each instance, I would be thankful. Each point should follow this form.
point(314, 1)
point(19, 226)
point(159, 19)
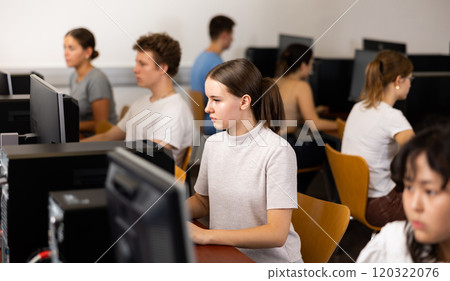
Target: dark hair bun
point(94, 54)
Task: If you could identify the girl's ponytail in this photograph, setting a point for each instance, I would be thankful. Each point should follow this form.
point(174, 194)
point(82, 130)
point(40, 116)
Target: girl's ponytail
point(373, 86)
point(271, 107)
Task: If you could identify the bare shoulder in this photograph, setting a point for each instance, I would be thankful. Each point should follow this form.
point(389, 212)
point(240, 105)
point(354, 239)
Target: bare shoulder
point(292, 86)
point(301, 88)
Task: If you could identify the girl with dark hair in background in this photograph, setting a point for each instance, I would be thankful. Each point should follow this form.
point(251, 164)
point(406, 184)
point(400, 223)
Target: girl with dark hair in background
point(422, 171)
point(294, 67)
point(246, 182)
point(89, 85)
point(374, 130)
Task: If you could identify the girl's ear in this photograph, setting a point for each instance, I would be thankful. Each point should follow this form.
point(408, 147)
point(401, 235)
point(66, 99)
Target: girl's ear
point(397, 80)
point(88, 52)
point(246, 102)
point(303, 65)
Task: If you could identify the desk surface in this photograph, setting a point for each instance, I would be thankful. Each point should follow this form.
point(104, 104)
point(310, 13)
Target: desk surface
point(218, 254)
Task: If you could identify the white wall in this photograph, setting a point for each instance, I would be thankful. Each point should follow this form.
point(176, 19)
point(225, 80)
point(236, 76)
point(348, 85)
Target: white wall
point(32, 31)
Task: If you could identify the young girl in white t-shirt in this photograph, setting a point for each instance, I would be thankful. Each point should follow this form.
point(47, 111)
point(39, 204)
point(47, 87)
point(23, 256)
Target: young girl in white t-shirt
point(374, 130)
point(422, 171)
point(247, 178)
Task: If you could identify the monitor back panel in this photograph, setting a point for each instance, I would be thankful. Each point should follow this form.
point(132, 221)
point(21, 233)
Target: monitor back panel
point(15, 114)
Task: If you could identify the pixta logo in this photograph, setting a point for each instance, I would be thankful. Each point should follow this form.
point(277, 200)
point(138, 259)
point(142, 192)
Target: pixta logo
point(151, 126)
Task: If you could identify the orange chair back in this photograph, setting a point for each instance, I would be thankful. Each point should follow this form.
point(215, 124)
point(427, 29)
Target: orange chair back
point(320, 225)
point(340, 127)
point(351, 176)
point(197, 102)
point(103, 126)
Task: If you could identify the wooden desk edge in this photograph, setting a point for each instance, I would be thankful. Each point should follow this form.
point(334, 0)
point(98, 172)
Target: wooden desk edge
point(218, 253)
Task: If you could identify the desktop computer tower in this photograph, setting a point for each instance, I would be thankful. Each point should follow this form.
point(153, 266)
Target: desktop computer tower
point(32, 171)
point(78, 226)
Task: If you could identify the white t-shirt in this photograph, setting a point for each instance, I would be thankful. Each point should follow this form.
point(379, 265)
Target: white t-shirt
point(245, 176)
point(168, 119)
point(389, 245)
point(369, 133)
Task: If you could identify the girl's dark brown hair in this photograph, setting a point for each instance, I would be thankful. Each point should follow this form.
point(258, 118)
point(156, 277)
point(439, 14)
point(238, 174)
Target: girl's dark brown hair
point(241, 77)
point(292, 58)
point(383, 70)
point(85, 38)
point(435, 143)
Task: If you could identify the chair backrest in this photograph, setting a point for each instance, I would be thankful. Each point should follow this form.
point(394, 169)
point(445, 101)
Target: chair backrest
point(180, 172)
point(320, 225)
point(197, 104)
point(180, 175)
point(187, 158)
point(351, 176)
point(103, 126)
point(340, 127)
point(124, 111)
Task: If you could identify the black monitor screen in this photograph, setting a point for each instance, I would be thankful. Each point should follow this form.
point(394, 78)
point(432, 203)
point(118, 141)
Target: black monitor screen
point(426, 63)
point(147, 211)
point(362, 59)
point(331, 81)
point(285, 40)
point(21, 82)
point(54, 117)
point(265, 59)
point(428, 98)
point(5, 83)
point(15, 114)
point(377, 45)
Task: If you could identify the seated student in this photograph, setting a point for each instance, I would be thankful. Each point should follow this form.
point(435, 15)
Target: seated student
point(88, 84)
point(374, 130)
point(294, 67)
point(221, 34)
point(170, 118)
point(247, 174)
point(422, 170)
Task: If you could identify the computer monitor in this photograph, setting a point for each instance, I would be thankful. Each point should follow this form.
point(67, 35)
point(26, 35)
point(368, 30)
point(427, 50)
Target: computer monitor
point(428, 98)
point(360, 62)
point(265, 59)
point(285, 40)
point(430, 62)
point(147, 211)
point(330, 83)
point(377, 45)
point(5, 83)
point(54, 116)
point(15, 114)
point(21, 82)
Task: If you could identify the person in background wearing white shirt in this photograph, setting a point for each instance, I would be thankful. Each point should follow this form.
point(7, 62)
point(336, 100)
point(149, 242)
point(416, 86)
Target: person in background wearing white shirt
point(374, 130)
point(422, 170)
point(247, 179)
point(157, 59)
